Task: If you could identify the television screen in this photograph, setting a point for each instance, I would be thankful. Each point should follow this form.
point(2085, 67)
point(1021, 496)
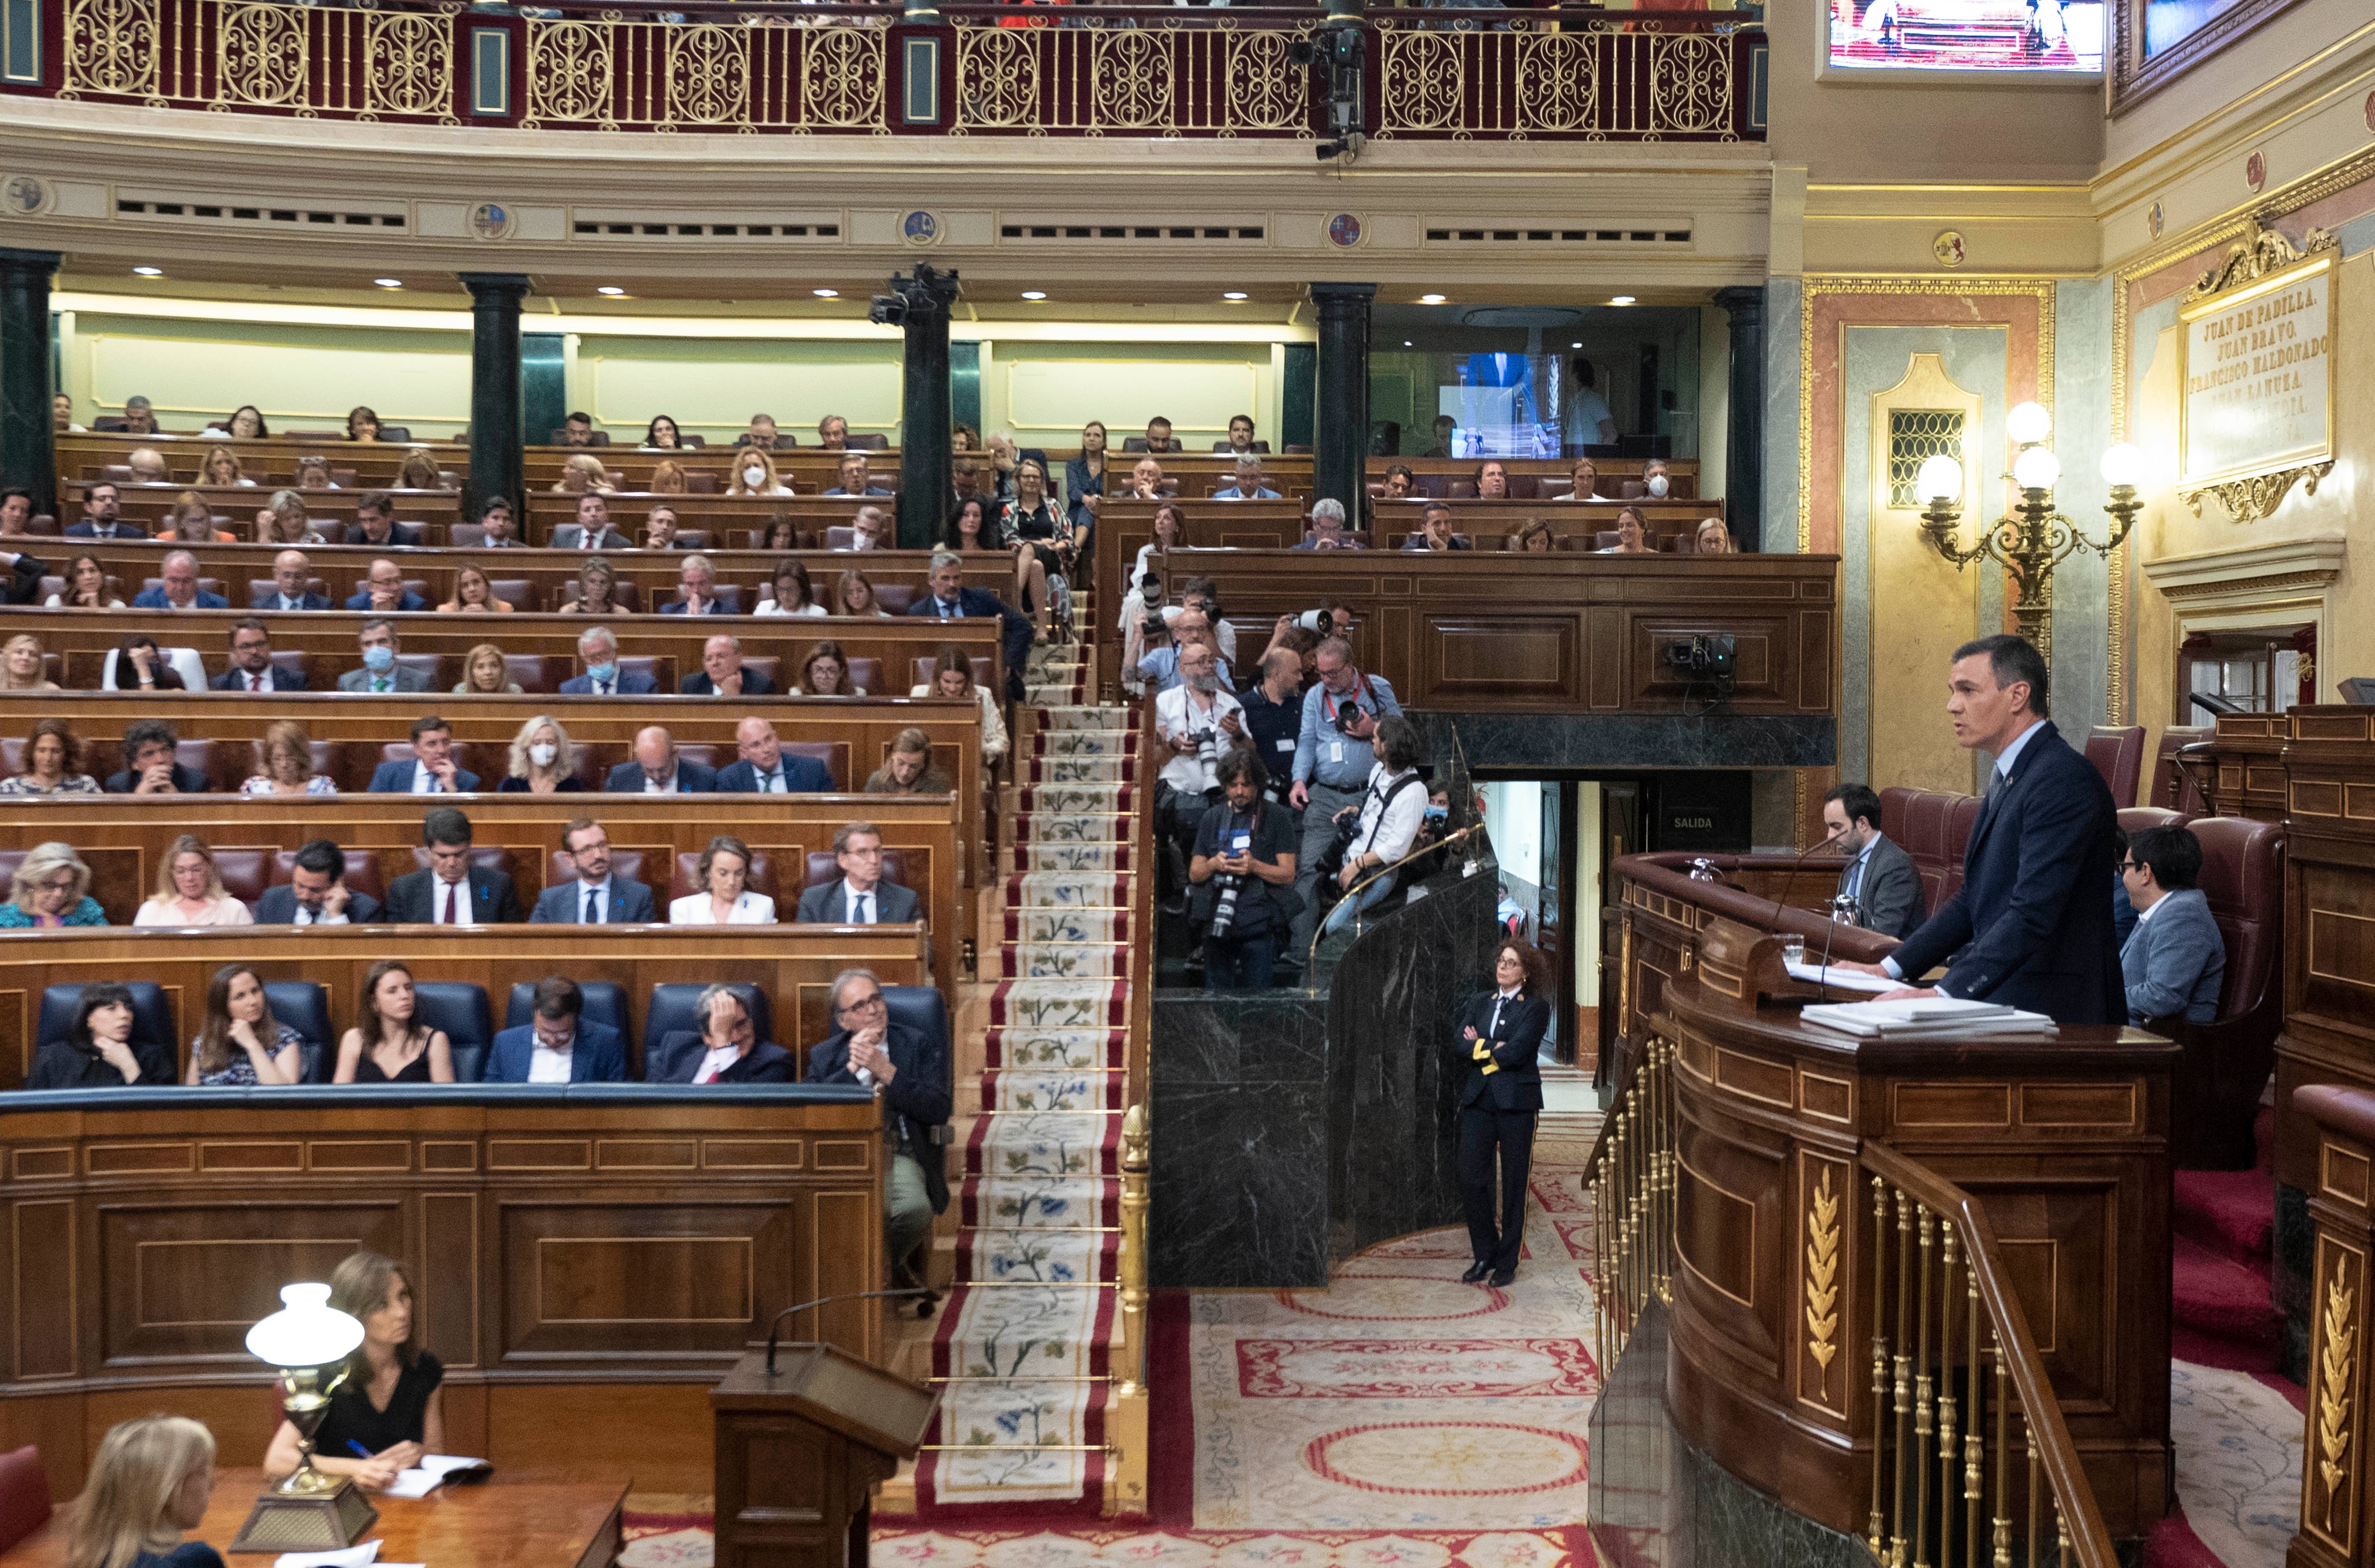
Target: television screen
point(1967, 35)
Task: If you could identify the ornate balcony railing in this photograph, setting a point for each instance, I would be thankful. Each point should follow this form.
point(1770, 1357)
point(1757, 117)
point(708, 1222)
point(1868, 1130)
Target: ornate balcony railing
point(1578, 75)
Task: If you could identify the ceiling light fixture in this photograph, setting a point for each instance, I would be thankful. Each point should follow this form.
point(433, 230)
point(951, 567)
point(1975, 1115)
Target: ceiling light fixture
point(1234, 294)
point(1034, 293)
point(1621, 299)
point(826, 293)
point(612, 290)
point(148, 272)
point(1430, 298)
point(1575, 345)
point(1406, 342)
point(389, 282)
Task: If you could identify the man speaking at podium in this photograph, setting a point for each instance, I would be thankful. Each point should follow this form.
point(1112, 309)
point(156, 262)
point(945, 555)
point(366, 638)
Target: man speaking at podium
point(2031, 925)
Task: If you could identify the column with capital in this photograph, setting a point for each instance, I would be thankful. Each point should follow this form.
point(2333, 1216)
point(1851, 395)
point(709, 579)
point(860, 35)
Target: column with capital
point(1340, 410)
point(495, 456)
point(29, 449)
point(1744, 481)
point(927, 480)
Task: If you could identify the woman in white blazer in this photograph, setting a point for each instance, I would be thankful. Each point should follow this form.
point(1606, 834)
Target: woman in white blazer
point(952, 676)
point(725, 898)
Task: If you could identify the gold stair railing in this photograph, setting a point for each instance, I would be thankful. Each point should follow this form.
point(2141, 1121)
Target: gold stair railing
point(1972, 1464)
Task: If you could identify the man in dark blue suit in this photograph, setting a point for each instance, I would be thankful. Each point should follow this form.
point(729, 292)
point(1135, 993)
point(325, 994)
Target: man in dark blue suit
point(2030, 927)
point(289, 589)
point(560, 1044)
point(431, 769)
point(658, 770)
point(766, 768)
point(912, 1071)
point(951, 599)
point(727, 1050)
point(596, 897)
point(177, 587)
point(597, 649)
point(251, 667)
point(1500, 1036)
point(383, 591)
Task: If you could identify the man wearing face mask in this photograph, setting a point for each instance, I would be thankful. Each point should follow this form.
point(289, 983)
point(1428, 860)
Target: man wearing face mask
point(597, 649)
point(1654, 478)
point(381, 674)
point(591, 531)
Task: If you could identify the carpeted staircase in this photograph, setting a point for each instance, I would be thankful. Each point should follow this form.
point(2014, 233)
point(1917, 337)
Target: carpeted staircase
point(2222, 1310)
point(1025, 1339)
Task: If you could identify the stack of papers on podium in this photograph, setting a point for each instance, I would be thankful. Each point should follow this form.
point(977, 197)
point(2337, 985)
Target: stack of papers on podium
point(1840, 979)
point(1928, 1018)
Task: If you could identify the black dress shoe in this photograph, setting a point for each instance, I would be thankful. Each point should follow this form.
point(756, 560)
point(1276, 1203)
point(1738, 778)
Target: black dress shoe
point(1476, 1272)
point(1502, 1276)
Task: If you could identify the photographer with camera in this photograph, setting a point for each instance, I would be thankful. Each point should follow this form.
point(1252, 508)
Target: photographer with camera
point(1392, 807)
point(1161, 667)
point(1333, 759)
point(1240, 879)
point(1198, 720)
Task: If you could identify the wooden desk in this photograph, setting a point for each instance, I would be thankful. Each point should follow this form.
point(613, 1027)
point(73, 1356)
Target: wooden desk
point(528, 1519)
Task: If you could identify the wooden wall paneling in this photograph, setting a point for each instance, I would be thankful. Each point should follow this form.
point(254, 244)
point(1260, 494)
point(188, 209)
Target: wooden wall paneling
point(2326, 795)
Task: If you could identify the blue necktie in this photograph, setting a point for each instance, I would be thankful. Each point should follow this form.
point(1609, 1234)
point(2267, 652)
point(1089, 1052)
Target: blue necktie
point(593, 907)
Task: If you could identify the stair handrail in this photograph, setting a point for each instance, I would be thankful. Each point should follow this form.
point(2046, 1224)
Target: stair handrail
point(2050, 1450)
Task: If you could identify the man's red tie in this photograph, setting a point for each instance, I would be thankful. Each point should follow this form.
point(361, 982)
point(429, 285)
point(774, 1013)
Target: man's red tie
point(449, 918)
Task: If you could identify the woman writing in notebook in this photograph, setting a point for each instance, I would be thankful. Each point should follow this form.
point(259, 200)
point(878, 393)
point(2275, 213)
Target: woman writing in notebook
point(389, 1411)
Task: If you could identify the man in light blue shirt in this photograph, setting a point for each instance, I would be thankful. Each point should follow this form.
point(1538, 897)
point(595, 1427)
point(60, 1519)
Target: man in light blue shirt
point(1161, 667)
point(1333, 759)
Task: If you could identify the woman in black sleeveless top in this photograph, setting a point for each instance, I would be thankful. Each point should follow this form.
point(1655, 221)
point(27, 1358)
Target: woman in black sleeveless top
point(390, 1410)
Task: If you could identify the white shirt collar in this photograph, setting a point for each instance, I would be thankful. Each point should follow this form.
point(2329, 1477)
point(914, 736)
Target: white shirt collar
point(851, 891)
point(2157, 905)
point(2011, 754)
point(1511, 991)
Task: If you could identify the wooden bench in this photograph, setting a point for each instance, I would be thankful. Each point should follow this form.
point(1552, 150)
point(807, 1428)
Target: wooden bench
point(1494, 632)
point(270, 463)
point(655, 840)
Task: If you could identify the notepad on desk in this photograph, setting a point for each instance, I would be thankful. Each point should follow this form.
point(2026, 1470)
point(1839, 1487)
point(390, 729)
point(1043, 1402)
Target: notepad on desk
point(1840, 979)
point(433, 1471)
point(1928, 1018)
point(362, 1556)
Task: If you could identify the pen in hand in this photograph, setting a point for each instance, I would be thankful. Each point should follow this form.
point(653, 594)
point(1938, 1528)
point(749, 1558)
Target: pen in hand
point(361, 1452)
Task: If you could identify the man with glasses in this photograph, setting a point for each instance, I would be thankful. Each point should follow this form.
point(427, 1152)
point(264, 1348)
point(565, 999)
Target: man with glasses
point(596, 897)
point(861, 897)
point(2174, 962)
point(910, 1071)
point(726, 1050)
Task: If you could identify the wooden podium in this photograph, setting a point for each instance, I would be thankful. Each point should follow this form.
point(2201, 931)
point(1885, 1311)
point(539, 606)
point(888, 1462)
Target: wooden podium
point(799, 1452)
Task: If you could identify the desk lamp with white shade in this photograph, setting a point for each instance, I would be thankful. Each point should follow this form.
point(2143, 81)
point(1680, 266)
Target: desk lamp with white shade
point(308, 1340)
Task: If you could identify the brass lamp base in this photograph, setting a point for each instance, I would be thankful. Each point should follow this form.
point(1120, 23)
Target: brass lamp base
point(329, 1514)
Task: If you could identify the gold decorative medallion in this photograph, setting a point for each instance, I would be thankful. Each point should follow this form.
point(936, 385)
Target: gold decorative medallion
point(1949, 249)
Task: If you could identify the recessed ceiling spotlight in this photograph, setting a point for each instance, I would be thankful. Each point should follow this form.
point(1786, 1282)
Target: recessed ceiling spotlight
point(1621, 299)
point(611, 289)
point(1034, 293)
point(1575, 345)
point(389, 282)
point(1430, 298)
point(826, 293)
point(148, 272)
point(1406, 342)
point(1234, 294)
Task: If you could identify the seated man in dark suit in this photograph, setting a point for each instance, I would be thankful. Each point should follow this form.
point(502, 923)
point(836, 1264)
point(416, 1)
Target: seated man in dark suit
point(102, 517)
point(696, 589)
point(375, 523)
point(177, 587)
point(861, 897)
point(433, 770)
point(381, 674)
point(2175, 962)
point(658, 770)
point(316, 893)
point(290, 590)
point(596, 897)
point(560, 1044)
point(591, 531)
point(597, 649)
point(723, 673)
point(150, 747)
point(725, 1051)
point(383, 591)
point(1879, 875)
point(911, 1073)
point(2031, 927)
point(766, 768)
point(855, 479)
point(951, 600)
point(449, 890)
point(251, 667)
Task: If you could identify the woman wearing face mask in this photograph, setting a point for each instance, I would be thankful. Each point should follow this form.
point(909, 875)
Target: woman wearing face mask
point(542, 763)
point(755, 474)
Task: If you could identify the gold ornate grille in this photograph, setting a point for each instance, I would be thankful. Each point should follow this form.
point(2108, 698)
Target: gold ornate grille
point(1916, 435)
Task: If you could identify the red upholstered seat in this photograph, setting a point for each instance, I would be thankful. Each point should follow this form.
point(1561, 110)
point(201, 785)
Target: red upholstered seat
point(2119, 756)
point(24, 1495)
point(1932, 827)
point(2170, 787)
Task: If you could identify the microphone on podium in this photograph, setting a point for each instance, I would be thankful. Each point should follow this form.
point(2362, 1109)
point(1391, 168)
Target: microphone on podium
point(827, 1301)
point(1797, 865)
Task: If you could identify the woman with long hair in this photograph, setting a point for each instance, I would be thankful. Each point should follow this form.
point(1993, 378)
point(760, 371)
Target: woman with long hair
point(782, 534)
point(140, 666)
point(1632, 533)
point(22, 661)
point(1500, 1034)
point(313, 474)
point(147, 1487)
point(791, 593)
point(361, 424)
point(1084, 479)
point(388, 1043)
point(952, 676)
point(190, 889)
point(724, 899)
point(543, 761)
point(284, 764)
point(421, 473)
point(222, 468)
point(969, 527)
point(583, 474)
point(190, 521)
point(51, 753)
point(86, 587)
point(825, 673)
point(283, 521)
point(1713, 537)
point(854, 595)
point(243, 1045)
point(473, 594)
point(597, 590)
point(667, 478)
point(1041, 539)
point(484, 674)
point(755, 474)
point(387, 1402)
point(661, 435)
point(247, 423)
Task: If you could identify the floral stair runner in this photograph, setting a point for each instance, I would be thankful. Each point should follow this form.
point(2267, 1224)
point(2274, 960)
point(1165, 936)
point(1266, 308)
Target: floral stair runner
point(1026, 1335)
